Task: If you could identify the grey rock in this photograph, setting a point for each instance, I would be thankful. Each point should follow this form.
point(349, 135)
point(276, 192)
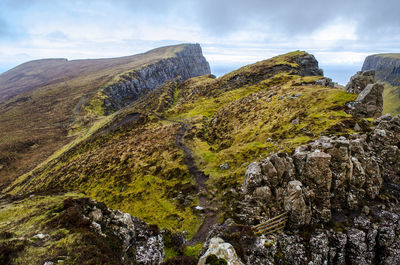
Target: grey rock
point(309, 65)
point(264, 194)
point(357, 246)
point(224, 166)
point(369, 102)
point(359, 81)
point(253, 178)
point(221, 249)
point(293, 248)
point(319, 248)
point(294, 203)
point(295, 121)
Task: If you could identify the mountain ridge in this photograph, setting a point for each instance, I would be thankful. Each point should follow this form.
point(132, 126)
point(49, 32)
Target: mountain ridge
point(63, 103)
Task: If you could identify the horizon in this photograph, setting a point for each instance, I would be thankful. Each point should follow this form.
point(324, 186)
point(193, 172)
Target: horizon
point(232, 33)
point(340, 75)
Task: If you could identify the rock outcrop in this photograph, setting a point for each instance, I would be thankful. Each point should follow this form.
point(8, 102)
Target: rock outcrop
point(386, 66)
point(369, 102)
point(139, 242)
point(342, 197)
point(187, 63)
point(359, 81)
point(221, 250)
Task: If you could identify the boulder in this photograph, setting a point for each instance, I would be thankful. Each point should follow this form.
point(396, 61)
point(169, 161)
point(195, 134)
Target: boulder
point(369, 103)
point(221, 250)
point(359, 81)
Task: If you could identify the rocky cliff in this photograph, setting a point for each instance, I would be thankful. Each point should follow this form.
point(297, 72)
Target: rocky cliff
point(386, 66)
point(187, 63)
point(341, 196)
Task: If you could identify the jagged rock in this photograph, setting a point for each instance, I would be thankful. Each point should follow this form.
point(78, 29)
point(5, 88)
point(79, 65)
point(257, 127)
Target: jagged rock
point(253, 178)
point(292, 250)
point(337, 250)
point(318, 176)
point(269, 172)
point(140, 244)
point(359, 81)
point(294, 203)
point(309, 65)
point(263, 193)
point(357, 246)
point(221, 249)
point(319, 248)
point(331, 181)
point(327, 82)
point(389, 244)
point(369, 102)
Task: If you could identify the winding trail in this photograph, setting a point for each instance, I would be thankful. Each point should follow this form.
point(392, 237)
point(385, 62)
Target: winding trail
point(210, 216)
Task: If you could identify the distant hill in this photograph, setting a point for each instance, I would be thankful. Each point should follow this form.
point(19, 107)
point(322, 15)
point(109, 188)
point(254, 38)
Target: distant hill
point(44, 103)
point(387, 69)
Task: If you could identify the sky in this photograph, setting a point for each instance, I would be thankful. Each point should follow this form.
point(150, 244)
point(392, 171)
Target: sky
point(232, 33)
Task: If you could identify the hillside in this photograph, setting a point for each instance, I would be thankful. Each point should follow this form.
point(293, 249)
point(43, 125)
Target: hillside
point(268, 164)
point(387, 69)
point(45, 104)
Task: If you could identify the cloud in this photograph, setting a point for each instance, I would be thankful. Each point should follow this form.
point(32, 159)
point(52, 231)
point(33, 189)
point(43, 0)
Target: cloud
point(293, 17)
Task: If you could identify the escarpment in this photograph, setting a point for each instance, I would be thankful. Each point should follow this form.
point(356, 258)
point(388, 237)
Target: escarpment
point(45, 104)
point(386, 66)
point(187, 63)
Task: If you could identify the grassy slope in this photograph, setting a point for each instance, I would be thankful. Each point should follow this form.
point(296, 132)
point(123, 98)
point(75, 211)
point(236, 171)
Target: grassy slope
point(42, 105)
point(391, 99)
point(139, 169)
point(389, 55)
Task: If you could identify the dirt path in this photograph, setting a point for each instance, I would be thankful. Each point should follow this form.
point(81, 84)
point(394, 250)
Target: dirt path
point(210, 216)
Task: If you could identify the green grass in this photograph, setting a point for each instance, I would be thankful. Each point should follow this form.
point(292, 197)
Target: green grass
point(391, 99)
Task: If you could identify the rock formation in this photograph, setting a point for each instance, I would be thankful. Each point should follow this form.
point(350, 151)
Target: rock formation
point(359, 81)
point(140, 244)
point(187, 63)
point(342, 190)
point(369, 102)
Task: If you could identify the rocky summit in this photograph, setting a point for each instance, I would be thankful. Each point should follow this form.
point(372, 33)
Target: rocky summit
point(157, 161)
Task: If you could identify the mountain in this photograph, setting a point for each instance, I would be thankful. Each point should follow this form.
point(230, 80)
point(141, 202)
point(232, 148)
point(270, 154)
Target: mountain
point(387, 69)
point(269, 164)
point(46, 104)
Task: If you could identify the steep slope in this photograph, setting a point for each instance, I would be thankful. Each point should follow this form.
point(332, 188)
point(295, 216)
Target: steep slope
point(387, 69)
point(386, 66)
point(139, 161)
point(45, 104)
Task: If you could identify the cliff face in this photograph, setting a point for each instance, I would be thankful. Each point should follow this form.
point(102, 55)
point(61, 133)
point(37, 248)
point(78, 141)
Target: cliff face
point(189, 62)
point(386, 66)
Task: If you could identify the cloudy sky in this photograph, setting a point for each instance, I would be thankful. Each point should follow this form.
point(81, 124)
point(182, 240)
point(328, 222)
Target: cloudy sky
point(233, 33)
